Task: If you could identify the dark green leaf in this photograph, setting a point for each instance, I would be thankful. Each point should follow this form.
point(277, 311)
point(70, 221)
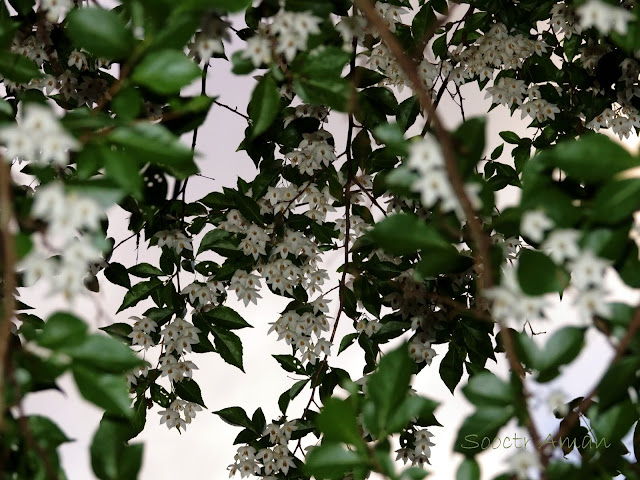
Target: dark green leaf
point(165, 72)
point(99, 31)
point(139, 292)
point(229, 346)
point(62, 330)
point(264, 105)
point(107, 391)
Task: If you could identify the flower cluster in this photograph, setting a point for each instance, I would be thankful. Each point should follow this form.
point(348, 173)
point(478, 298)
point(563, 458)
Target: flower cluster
point(38, 137)
point(604, 17)
point(420, 452)
point(286, 35)
point(141, 332)
point(174, 239)
point(298, 330)
point(208, 41)
point(433, 185)
point(66, 215)
point(266, 462)
point(173, 416)
point(313, 153)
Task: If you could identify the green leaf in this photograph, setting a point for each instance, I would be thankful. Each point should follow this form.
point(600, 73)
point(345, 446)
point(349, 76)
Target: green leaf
point(107, 391)
point(614, 423)
point(111, 457)
point(229, 346)
point(226, 317)
point(62, 330)
point(101, 32)
point(404, 233)
point(317, 77)
point(138, 293)
point(117, 274)
point(338, 422)
point(119, 331)
point(104, 353)
point(511, 137)
point(235, 416)
point(411, 407)
point(264, 105)
point(388, 385)
point(393, 137)
point(613, 386)
point(538, 274)
point(220, 241)
point(562, 348)
point(155, 144)
point(123, 169)
point(46, 433)
point(582, 159)
point(616, 201)
point(165, 71)
point(145, 270)
point(485, 422)
point(347, 341)
point(17, 68)
point(332, 461)
point(440, 261)
point(468, 470)
point(290, 363)
point(451, 367)
point(189, 390)
point(486, 389)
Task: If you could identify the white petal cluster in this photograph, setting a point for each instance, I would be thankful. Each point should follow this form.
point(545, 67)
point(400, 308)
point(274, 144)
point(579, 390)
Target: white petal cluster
point(286, 36)
point(421, 451)
point(178, 336)
point(55, 9)
point(208, 41)
point(510, 304)
point(172, 417)
point(246, 286)
point(433, 185)
point(313, 153)
point(604, 17)
point(67, 215)
point(420, 348)
point(299, 330)
point(623, 121)
point(270, 460)
point(523, 462)
point(38, 137)
point(174, 239)
point(141, 333)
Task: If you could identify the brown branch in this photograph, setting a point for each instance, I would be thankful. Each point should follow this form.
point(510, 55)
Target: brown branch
point(9, 278)
point(587, 402)
point(410, 68)
point(480, 238)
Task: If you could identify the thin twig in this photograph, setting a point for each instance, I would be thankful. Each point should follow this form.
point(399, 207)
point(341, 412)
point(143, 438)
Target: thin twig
point(234, 110)
point(587, 402)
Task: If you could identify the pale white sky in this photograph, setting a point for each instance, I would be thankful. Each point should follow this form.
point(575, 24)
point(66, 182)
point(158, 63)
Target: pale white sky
point(205, 449)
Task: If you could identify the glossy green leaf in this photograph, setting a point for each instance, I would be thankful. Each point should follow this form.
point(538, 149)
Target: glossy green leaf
point(264, 105)
point(165, 71)
point(100, 32)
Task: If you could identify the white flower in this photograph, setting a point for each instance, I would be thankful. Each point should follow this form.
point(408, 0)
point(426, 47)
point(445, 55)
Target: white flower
point(556, 401)
point(592, 302)
point(562, 245)
point(78, 59)
point(534, 224)
point(258, 50)
point(425, 155)
point(604, 17)
point(524, 461)
point(587, 270)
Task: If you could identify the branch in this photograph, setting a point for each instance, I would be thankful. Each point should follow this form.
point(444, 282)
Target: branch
point(9, 278)
point(587, 402)
point(410, 68)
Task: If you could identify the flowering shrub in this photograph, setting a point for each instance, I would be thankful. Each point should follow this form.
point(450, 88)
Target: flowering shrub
point(91, 118)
